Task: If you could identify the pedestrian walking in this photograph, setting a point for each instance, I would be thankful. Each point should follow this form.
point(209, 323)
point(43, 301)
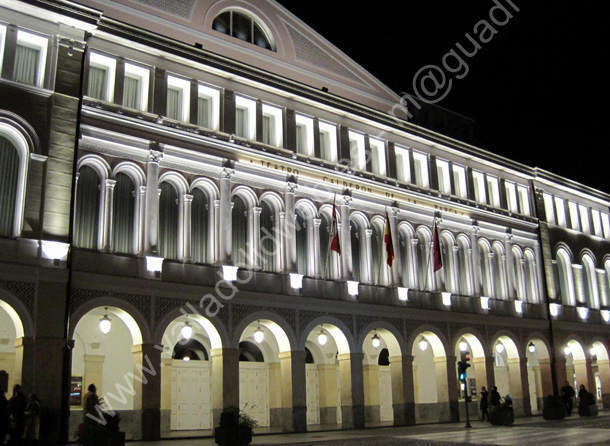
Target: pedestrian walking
point(31, 431)
point(16, 410)
point(484, 403)
point(4, 417)
point(567, 395)
point(494, 397)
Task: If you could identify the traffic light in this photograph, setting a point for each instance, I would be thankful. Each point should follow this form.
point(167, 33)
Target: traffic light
point(463, 366)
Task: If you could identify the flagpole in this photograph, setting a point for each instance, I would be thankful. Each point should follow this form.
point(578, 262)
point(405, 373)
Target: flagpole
point(385, 208)
point(330, 234)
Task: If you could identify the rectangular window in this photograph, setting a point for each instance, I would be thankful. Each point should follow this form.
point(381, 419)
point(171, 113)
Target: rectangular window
point(356, 151)
point(524, 200)
point(479, 187)
point(561, 212)
point(403, 164)
point(444, 178)
point(304, 132)
point(30, 58)
point(328, 141)
point(102, 71)
point(549, 207)
point(584, 219)
point(574, 220)
point(178, 98)
point(511, 196)
point(2, 44)
point(208, 107)
point(378, 156)
point(422, 177)
point(597, 223)
point(272, 126)
point(459, 180)
point(494, 191)
point(135, 87)
point(245, 118)
point(606, 225)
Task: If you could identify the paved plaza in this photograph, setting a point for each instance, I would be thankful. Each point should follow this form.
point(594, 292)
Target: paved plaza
point(573, 431)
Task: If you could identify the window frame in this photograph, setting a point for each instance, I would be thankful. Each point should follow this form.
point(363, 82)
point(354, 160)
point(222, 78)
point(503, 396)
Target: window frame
point(378, 157)
point(444, 176)
point(2, 44)
point(307, 123)
point(459, 181)
point(41, 43)
point(524, 200)
point(249, 107)
point(493, 189)
point(275, 115)
point(479, 183)
point(184, 85)
point(213, 94)
point(356, 141)
point(144, 74)
point(329, 130)
point(422, 170)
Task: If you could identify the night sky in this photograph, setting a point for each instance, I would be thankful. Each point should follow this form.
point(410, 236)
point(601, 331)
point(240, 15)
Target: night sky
point(538, 89)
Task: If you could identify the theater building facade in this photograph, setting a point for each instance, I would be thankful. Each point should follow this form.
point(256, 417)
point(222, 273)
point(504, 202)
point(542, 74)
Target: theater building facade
point(171, 176)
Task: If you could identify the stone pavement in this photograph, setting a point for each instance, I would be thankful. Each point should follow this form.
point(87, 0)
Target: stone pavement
point(573, 431)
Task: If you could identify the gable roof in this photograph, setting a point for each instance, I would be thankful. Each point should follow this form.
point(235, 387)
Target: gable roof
point(300, 54)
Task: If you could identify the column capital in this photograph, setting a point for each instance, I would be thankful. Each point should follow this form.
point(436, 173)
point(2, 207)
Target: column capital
point(187, 198)
point(475, 229)
point(317, 222)
point(110, 183)
point(154, 156)
point(291, 187)
point(346, 200)
point(394, 212)
point(227, 173)
point(257, 211)
point(456, 248)
point(368, 233)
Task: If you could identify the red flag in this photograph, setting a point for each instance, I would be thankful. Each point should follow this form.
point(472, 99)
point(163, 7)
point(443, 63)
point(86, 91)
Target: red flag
point(436, 248)
point(334, 233)
point(387, 238)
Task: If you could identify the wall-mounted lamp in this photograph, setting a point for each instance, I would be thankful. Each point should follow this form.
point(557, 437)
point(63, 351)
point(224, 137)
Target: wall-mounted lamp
point(105, 323)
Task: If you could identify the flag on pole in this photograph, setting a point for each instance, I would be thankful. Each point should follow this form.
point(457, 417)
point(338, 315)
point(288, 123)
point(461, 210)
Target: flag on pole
point(334, 233)
point(436, 248)
point(387, 238)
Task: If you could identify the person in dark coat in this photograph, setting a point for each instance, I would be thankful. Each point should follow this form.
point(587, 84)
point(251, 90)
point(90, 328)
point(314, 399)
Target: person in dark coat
point(494, 397)
point(484, 403)
point(4, 417)
point(31, 432)
point(16, 410)
point(567, 393)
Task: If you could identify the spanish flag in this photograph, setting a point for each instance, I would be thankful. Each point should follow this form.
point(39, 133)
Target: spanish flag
point(389, 246)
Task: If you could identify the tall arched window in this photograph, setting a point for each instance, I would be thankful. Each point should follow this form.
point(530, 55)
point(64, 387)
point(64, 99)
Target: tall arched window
point(407, 257)
point(380, 269)
point(9, 183)
point(87, 213)
point(499, 271)
point(199, 226)
point(485, 265)
point(519, 274)
point(531, 277)
point(425, 263)
point(301, 229)
point(590, 282)
point(168, 221)
point(269, 242)
point(243, 27)
point(240, 232)
point(465, 266)
point(356, 243)
point(123, 214)
point(566, 277)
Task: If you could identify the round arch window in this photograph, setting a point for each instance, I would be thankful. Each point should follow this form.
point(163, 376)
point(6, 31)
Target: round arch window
point(243, 27)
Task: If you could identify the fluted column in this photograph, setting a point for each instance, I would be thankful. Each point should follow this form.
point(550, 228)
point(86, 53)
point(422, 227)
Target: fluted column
point(290, 242)
point(396, 273)
point(314, 268)
point(151, 220)
point(490, 276)
point(215, 234)
point(368, 273)
point(254, 258)
point(187, 201)
point(510, 267)
point(225, 221)
point(280, 245)
point(141, 242)
point(476, 262)
point(108, 212)
point(455, 271)
point(345, 239)
point(413, 265)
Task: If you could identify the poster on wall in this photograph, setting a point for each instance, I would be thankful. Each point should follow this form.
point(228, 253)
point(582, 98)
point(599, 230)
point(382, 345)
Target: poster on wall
point(76, 391)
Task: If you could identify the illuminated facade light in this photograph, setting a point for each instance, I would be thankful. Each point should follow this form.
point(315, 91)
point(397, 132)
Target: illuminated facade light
point(446, 299)
point(519, 306)
point(296, 281)
point(352, 287)
point(485, 303)
point(605, 315)
point(531, 347)
point(423, 344)
point(583, 313)
point(229, 273)
point(554, 309)
point(375, 340)
point(593, 351)
point(403, 294)
point(259, 336)
point(186, 358)
point(55, 251)
point(463, 345)
point(186, 331)
point(105, 323)
point(154, 264)
point(322, 337)
point(567, 350)
point(500, 347)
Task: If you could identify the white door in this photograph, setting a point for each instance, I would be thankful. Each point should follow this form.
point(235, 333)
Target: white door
point(254, 391)
point(191, 397)
point(313, 398)
point(385, 394)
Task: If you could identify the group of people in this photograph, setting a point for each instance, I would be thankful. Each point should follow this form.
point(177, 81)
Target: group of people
point(488, 398)
point(568, 393)
point(19, 418)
